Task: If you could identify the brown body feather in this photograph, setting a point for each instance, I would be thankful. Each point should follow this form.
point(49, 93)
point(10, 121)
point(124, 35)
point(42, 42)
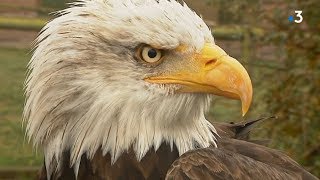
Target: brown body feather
point(153, 166)
point(235, 158)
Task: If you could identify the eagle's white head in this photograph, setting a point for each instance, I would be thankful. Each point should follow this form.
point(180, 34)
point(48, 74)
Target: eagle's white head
point(116, 74)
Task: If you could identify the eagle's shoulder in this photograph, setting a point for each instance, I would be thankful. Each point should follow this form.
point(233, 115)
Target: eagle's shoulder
point(236, 158)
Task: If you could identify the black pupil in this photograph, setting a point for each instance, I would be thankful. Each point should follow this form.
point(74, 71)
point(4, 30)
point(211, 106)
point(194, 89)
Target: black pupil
point(152, 53)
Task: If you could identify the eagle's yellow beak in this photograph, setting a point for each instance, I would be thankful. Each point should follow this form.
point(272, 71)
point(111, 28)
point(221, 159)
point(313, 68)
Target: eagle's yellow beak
point(212, 71)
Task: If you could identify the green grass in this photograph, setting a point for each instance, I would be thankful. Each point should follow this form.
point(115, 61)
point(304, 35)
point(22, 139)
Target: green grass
point(22, 23)
point(14, 149)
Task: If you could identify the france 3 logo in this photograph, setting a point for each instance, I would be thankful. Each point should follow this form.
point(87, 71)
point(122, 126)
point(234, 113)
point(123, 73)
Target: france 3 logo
point(298, 18)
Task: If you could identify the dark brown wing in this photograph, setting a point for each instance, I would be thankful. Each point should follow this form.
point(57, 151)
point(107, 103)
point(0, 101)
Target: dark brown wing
point(236, 159)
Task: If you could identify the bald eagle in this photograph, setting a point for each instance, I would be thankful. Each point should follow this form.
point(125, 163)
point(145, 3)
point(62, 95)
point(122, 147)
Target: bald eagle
point(118, 89)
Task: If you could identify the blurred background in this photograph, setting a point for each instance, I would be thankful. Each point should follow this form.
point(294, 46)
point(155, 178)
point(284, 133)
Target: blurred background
point(282, 58)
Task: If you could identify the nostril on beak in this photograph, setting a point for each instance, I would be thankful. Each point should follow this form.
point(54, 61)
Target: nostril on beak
point(211, 62)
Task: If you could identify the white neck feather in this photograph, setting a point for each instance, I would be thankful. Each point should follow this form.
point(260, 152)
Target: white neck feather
point(118, 120)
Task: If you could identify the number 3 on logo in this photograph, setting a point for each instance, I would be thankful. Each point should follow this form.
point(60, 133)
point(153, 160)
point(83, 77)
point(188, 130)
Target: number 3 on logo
point(299, 15)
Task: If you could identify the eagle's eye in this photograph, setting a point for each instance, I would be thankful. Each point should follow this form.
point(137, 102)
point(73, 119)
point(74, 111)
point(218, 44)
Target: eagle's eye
point(150, 54)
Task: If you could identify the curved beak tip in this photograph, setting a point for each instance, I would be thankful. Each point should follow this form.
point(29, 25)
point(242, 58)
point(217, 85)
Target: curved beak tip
point(246, 99)
point(245, 109)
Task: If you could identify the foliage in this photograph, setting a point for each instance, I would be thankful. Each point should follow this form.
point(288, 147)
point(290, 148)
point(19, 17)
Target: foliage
point(294, 96)
point(291, 89)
